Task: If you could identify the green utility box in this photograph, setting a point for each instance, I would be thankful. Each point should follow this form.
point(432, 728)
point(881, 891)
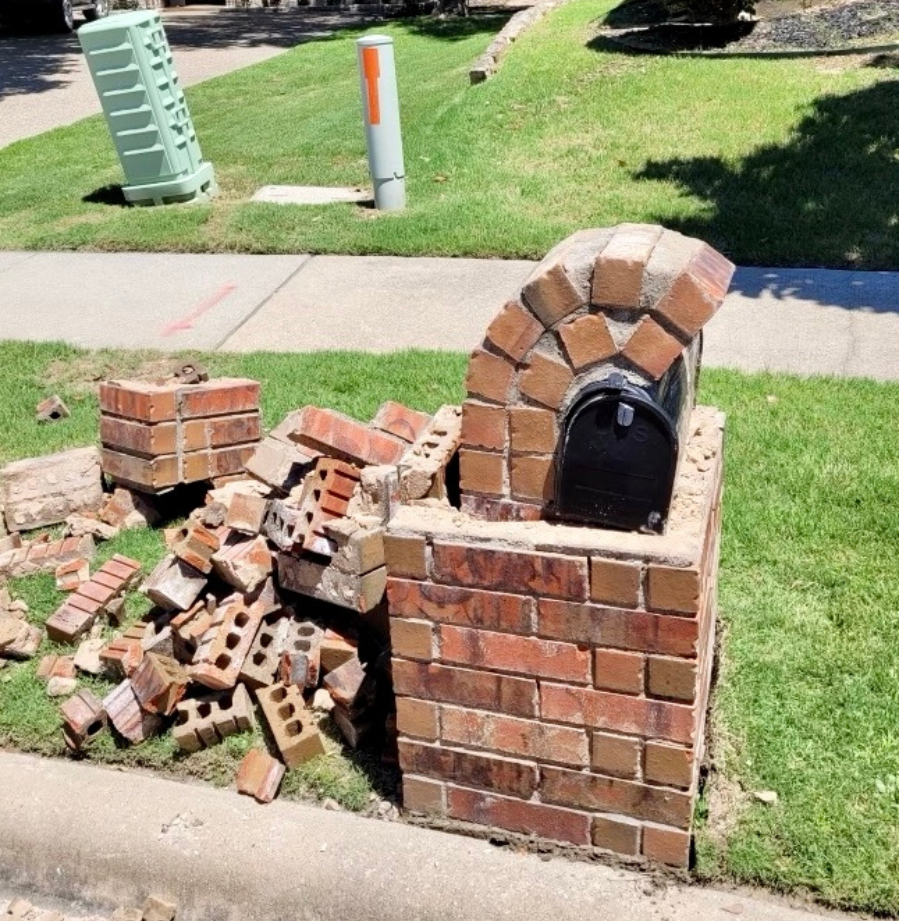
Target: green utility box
point(131, 64)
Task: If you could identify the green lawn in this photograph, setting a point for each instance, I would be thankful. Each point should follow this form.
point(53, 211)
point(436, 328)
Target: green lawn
point(777, 162)
point(808, 696)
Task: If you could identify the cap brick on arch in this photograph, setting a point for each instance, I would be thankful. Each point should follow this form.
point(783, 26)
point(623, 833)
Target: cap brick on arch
point(631, 298)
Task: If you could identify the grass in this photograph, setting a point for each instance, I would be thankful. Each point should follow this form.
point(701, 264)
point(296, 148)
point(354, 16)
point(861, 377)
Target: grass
point(754, 156)
point(809, 687)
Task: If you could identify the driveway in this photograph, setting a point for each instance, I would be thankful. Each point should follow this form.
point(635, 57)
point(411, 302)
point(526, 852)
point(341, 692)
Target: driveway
point(44, 81)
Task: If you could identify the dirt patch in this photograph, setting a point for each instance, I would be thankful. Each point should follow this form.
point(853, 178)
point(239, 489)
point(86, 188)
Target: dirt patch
point(81, 374)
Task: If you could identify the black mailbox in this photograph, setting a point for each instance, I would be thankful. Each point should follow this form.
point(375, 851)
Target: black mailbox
point(619, 448)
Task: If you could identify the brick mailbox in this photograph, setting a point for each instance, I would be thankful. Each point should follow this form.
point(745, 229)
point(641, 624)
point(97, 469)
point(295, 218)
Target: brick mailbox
point(552, 676)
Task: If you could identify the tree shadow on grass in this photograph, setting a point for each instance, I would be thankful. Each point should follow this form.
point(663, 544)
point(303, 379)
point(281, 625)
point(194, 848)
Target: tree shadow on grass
point(457, 28)
point(827, 197)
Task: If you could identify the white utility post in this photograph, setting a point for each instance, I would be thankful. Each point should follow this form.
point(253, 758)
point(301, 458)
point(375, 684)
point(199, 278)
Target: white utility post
point(381, 113)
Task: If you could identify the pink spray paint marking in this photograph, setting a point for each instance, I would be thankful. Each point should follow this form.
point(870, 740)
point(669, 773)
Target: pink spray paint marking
point(187, 322)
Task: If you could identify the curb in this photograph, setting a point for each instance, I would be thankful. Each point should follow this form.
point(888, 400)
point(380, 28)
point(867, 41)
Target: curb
point(110, 838)
point(488, 63)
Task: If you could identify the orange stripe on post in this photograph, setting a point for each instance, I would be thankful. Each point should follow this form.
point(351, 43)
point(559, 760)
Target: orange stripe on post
point(371, 68)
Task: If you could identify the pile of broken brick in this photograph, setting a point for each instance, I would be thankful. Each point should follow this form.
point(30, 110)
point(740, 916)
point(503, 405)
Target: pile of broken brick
point(155, 909)
point(273, 588)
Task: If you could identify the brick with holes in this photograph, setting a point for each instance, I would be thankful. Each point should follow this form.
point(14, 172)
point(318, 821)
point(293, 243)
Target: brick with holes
point(422, 469)
point(202, 722)
point(325, 496)
point(291, 723)
point(284, 523)
point(301, 659)
point(224, 646)
point(196, 547)
point(83, 719)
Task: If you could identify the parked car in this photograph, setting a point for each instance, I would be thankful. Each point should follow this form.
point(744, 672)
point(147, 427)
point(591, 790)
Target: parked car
point(55, 15)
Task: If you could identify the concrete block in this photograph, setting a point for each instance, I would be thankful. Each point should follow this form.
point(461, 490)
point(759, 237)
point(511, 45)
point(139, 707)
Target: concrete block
point(45, 490)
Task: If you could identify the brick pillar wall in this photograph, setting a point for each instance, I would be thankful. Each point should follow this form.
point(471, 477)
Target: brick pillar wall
point(156, 436)
point(553, 680)
point(629, 298)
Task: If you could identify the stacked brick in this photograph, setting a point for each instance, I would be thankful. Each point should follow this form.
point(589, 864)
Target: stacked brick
point(631, 298)
point(553, 680)
point(156, 436)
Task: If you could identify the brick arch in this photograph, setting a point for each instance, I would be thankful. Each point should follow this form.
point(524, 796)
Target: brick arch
point(630, 298)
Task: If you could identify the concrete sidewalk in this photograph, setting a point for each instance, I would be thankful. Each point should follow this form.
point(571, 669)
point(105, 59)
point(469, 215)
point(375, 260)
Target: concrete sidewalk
point(110, 838)
point(803, 321)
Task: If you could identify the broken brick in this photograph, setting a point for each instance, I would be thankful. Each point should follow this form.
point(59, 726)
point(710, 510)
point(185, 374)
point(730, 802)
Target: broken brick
point(159, 683)
point(259, 775)
point(83, 719)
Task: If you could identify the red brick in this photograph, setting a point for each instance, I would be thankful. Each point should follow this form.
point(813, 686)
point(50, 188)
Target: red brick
point(616, 670)
point(550, 293)
point(698, 292)
point(489, 376)
point(525, 655)
point(617, 756)
point(546, 380)
point(518, 816)
point(532, 477)
point(672, 589)
point(399, 420)
point(423, 796)
point(618, 834)
point(463, 606)
point(417, 718)
point(412, 639)
point(618, 271)
point(674, 679)
point(670, 765)
point(222, 432)
point(483, 425)
point(615, 582)
point(506, 734)
point(532, 430)
point(651, 719)
point(259, 775)
point(150, 474)
point(482, 690)
point(611, 794)
point(138, 437)
point(206, 465)
point(651, 349)
point(517, 778)
point(514, 331)
point(220, 397)
point(587, 341)
point(405, 556)
point(346, 439)
point(667, 845)
point(138, 401)
point(618, 628)
point(481, 472)
point(544, 573)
